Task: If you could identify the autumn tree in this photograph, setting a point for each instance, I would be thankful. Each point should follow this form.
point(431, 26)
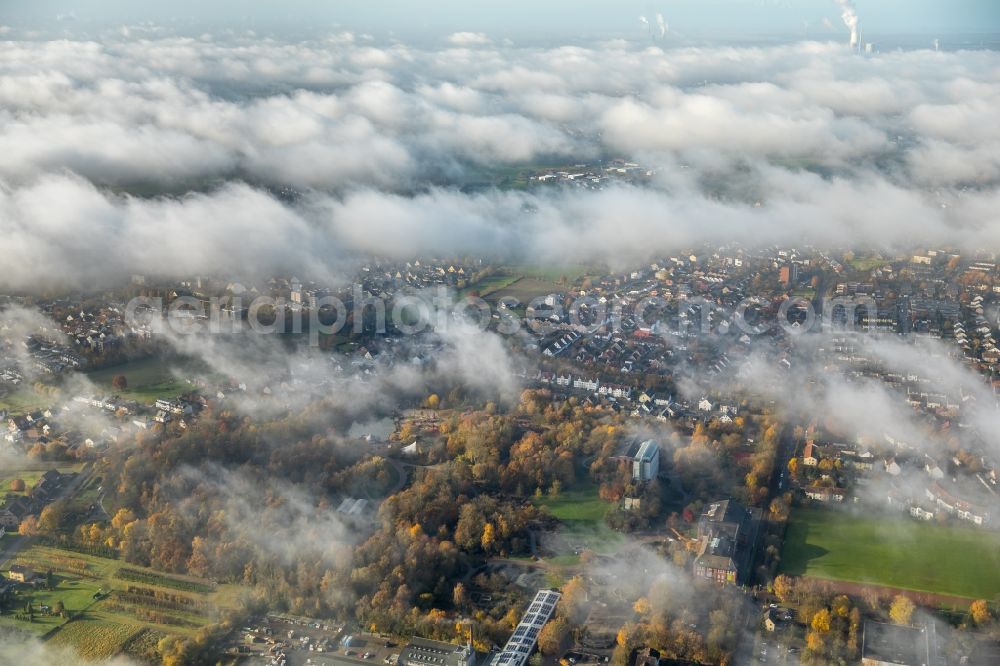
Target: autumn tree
point(901, 610)
point(841, 605)
point(53, 517)
point(784, 588)
point(821, 621)
point(17, 485)
point(980, 611)
point(122, 518)
point(459, 596)
point(793, 467)
point(779, 509)
point(699, 436)
point(625, 635)
point(470, 527)
point(119, 382)
point(407, 432)
point(853, 627)
point(721, 634)
point(28, 526)
point(814, 642)
point(200, 561)
point(870, 595)
point(553, 637)
point(574, 603)
point(488, 538)
point(641, 606)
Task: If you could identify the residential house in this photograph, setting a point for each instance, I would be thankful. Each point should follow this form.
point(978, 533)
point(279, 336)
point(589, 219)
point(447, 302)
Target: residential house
point(615, 391)
point(175, 407)
point(809, 454)
point(825, 494)
point(948, 498)
point(15, 511)
point(21, 574)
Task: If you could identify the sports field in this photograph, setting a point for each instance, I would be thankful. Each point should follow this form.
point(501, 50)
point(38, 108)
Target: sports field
point(891, 551)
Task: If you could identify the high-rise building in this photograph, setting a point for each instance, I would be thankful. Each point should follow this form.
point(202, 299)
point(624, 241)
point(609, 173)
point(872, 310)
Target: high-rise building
point(646, 464)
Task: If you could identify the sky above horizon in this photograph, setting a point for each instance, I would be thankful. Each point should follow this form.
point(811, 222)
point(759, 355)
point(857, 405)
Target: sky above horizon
point(514, 18)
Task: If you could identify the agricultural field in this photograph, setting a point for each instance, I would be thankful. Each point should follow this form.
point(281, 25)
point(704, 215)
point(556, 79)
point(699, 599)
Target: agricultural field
point(108, 602)
point(95, 639)
point(896, 552)
point(142, 646)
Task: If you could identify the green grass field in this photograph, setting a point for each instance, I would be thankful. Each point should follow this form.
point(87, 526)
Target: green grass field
point(30, 478)
point(556, 273)
point(866, 264)
point(897, 552)
point(578, 504)
point(75, 592)
point(532, 279)
point(525, 290)
point(29, 472)
point(488, 285)
point(581, 512)
point(24, 400)
point(148, 379)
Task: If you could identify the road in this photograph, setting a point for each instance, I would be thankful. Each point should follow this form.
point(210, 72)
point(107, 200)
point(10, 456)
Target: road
point(748, 650)
point(779, 476)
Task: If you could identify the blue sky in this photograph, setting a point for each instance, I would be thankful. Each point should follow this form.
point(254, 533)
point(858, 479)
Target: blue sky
point(534, 18)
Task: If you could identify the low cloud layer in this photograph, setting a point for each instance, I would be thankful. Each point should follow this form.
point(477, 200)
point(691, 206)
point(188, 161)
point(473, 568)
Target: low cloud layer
point(380, 141)
point(815, 388)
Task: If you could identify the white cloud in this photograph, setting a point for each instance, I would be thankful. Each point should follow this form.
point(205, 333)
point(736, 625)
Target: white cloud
point(361, 128)
point(468, 39)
